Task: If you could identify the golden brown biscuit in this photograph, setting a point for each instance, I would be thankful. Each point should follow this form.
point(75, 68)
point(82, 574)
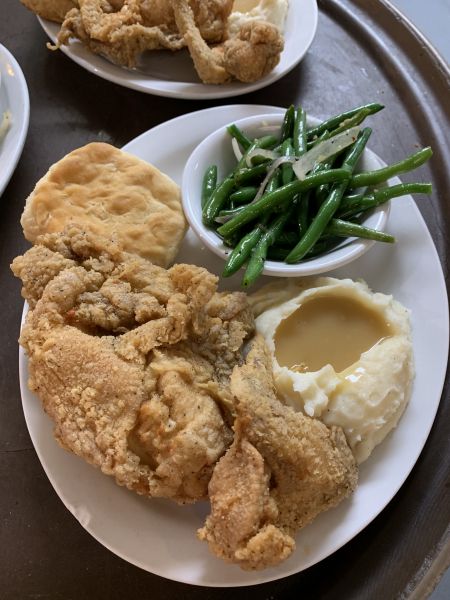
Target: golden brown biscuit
point(112, 194)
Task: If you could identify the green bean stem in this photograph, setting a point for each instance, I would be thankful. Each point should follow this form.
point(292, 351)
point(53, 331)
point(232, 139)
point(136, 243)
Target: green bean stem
point(331, 204)
point(240, 136)
point(348, 229)
point(335, 121)
point(380, 175)
point(274, 199)
point(209, 184)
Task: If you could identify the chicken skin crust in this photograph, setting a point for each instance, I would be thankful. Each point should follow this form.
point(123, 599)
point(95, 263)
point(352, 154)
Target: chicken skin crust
point(132, 361)
point(282, 470)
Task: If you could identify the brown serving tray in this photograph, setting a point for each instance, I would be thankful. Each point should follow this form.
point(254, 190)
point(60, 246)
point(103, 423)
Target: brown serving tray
point(364, 51)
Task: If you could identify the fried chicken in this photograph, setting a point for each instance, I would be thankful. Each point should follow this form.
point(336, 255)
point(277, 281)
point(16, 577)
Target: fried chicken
point(249, 56)
point(282, 470)
point(132, 361)
point(254, 52)
point(122, 30)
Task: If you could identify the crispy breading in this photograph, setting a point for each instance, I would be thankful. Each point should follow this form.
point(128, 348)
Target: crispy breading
point(254, 52)
point(298, 466)
point(53, 10)
point(119, 36)
point(132, 361)
point(122, 31)
point(208, 63)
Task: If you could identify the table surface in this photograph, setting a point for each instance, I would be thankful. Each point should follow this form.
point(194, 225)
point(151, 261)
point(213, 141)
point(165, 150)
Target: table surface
point(44, 552)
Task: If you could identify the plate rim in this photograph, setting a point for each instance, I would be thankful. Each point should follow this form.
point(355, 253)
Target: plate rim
point(23, 123)
point(23, 363)
point(200, 91)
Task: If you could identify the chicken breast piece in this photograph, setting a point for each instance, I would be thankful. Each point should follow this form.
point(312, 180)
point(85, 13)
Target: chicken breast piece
point(131, 361)
point(295, 467)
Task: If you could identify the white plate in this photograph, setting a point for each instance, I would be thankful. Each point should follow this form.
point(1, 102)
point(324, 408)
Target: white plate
point(13, 97)
point(172, 74)
point(158, 535)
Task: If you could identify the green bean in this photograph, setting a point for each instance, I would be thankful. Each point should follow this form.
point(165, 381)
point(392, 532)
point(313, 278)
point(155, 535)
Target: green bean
point(242, 251)
point(272, 200)
point(331, 204)
point(380, 175)
point(243, 195)
point(287, 173)
point(299, 136)
point(288, 123)
point(356, 203)
point(216, 201)
point(209, 184)
point(265, 142)
point(337, 120)
point(243, 248)
point(348, 229)
point(239, 135)
point(258, 257)
point(251, 174)
point(303, 202)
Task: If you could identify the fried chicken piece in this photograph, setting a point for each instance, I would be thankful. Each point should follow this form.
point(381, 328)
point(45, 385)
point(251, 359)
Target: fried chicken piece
point(119, 36)
point(248, 57)
point(122, 30)
point(254, 52)
point(53, 10)
point(132, 361)
point(208, 63)
point(294, 465)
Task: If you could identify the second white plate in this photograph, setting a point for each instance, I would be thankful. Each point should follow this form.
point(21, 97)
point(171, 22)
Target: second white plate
point(172, 74)
point(13, 97)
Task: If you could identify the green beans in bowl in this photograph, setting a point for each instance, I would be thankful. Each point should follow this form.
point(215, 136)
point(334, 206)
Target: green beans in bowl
point(284, 195)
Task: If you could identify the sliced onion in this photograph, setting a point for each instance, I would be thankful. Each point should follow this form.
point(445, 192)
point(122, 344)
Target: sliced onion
point(273, 167)
point(324, 150)
point(259, 152)
point(236, 149)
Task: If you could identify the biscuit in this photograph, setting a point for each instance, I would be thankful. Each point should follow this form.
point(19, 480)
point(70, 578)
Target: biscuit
point(112, 194)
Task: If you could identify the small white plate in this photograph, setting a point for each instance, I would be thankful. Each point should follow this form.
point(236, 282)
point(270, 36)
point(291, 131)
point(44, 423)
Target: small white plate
point(159, 536)
point(172, 74)
point(13, 97)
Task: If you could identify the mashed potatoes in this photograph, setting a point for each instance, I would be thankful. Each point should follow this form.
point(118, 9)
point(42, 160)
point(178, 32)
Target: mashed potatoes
point(273, 11)
point(340, 353)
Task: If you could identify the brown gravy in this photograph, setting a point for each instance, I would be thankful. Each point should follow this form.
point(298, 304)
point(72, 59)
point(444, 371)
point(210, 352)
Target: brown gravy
point(328, 330)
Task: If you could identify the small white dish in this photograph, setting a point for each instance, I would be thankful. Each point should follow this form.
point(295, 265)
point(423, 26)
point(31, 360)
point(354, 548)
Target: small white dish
point(172, 74)
point(13, 97)
point(217, 149)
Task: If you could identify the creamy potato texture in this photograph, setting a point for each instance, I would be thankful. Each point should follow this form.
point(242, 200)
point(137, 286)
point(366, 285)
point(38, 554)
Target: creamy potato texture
point(273, 11)
point(341, 353)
